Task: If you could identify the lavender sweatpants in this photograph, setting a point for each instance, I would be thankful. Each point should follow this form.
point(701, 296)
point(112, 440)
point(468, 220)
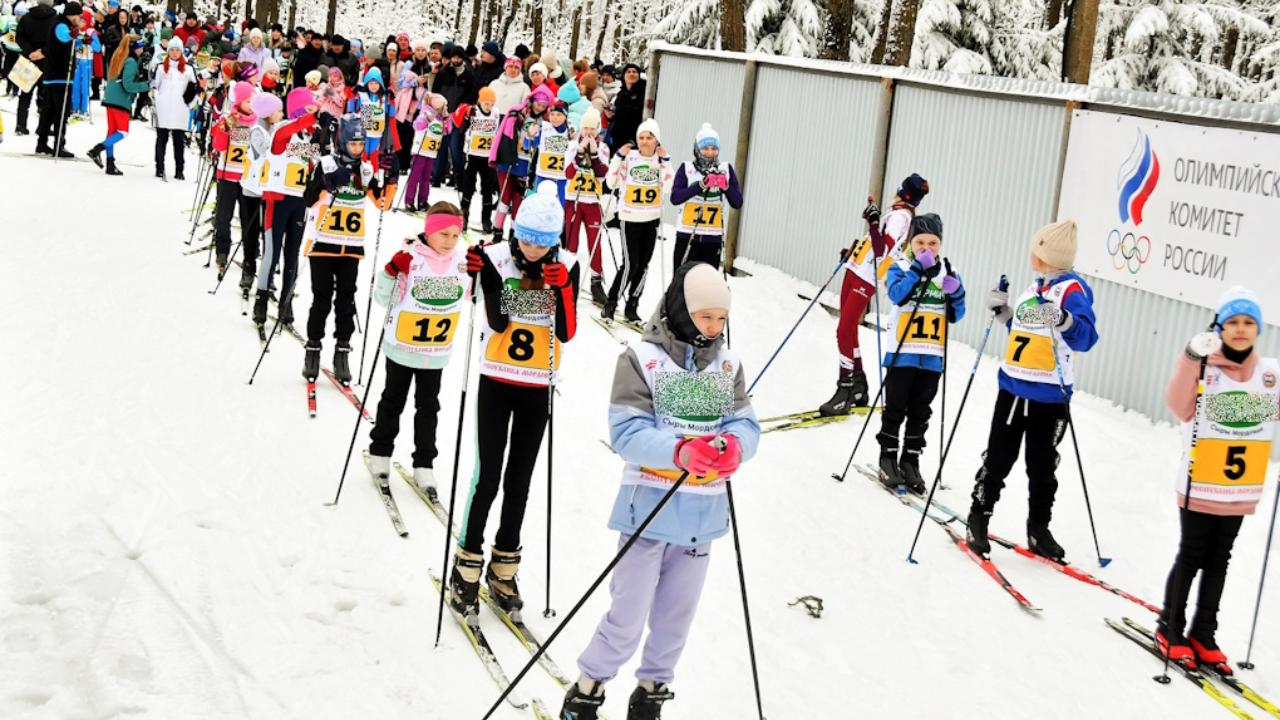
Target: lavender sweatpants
point(657, 582)
point(417, 188)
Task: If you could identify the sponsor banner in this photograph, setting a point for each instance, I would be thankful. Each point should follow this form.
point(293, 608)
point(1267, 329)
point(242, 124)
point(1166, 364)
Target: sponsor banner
point(1183, 211)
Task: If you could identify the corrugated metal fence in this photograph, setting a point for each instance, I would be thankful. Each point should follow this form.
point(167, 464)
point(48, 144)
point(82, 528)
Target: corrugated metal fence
point(992, 148)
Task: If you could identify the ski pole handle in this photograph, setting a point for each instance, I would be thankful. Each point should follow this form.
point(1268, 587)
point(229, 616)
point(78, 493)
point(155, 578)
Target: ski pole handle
point(1004, 283)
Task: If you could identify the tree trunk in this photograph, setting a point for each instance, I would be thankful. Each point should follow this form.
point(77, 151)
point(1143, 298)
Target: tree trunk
point(1081, 31)
point(617, 42)
point(1053, 14)
point(475, 21)
point(171, 6)
point(457, 19)
point(733, 25)
point(248, 9)
point(577, 29)
point(602, 19)
point(293, 13)
point(262, 13)
point(882, 36)
point(332, 16)
point(511, 16)
point(835, 41)
point(491, 9)
point(1229, 47)
point(537, 26)
point(904, 33)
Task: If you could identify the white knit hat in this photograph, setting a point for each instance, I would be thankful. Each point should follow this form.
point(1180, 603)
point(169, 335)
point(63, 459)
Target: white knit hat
point(174, 44)
point(704, 289)
point(707, 135)
point(649, 126)
point(1055, 244)
point(540, 219)
point(538, 68)
point(590, 119)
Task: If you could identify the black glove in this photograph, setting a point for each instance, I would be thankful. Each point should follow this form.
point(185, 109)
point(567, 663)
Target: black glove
point(871, 213)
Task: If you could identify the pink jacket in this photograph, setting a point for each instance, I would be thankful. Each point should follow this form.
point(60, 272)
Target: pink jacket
point(1180, 396)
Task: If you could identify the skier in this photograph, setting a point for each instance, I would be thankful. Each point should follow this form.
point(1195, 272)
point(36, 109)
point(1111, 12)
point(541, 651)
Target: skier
point(335, 230)
point(1230, 441)
point(480, 123)
point(231, 142)
point(888, 237)
point(700, 189)
point(642, 176)
point(698, 420)
point(511, 156)
point(529, 293)
point(373, 103)
point(426, 285)
point(926, 296)
point(590, 164)
point(552, 145)
point(1053, 320)
point(430, 127)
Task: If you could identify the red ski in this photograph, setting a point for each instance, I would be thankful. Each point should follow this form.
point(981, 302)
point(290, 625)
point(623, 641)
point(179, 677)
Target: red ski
point(311, 398)
point(349, 393)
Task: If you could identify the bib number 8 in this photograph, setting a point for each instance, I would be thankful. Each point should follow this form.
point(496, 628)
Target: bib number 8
point(524, 346)
point(642, 196)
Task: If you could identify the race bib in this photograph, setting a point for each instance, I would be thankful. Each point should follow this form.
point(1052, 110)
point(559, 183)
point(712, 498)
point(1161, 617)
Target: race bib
point(423, 329)
point(295, 176)
point(1033, 352)
point(642, 196)
point(584, 184)
point(264, 173)
point(926, 328)
point(551, 163)
point(347, 221)
point(1230, 462)
point(238, 158)
point(702, 215)
point(430, 144)
point(523, 346)
point(481, 143)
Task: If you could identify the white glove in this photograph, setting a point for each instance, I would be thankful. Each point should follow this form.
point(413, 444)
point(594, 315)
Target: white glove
point(328, 164)
point(1203, 344)
point(998, 302)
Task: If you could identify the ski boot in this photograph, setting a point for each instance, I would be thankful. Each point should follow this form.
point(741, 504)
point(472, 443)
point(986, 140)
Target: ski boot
point(260, 308)
point(220, 260)
point(851, 392)
point(501, 579)
point(608, 308)
point(379, 466)
point(1207, 650)
point(464, 584)
point(286, 310)
point(583, 700)
point(909, 466)
point(598, 295)
point(976, 535)
point(95, 154)
point(486, 218)
point(466, 215)
point(311, 371)
point(425, 479)
point(340, 368)
point(1174, 646)
point(177, 174)
point(1041, 542)
point(646, 701)
point(160, 173)
point(246, 278)
point(890, 474)
point(629, 312)
point(111, 167)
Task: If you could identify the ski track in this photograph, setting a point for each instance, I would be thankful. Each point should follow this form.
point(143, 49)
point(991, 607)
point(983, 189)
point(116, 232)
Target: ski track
point(167, 552)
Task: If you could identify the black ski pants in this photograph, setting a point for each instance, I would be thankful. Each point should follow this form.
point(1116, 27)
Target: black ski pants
point(908, 395)
point(1044, 425)
point(285, 220)
point(638, 241)
point(503, 409)
point(229, 196)
point(1205, 548)
point(426, 401)
point(53, 113)
point(488, 184)
point(179, 147)
point(706, 248)
point(333, 285)
point(24, 107)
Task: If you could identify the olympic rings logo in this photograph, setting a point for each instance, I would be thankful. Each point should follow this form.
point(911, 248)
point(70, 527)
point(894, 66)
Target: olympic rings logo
point(1128, 251)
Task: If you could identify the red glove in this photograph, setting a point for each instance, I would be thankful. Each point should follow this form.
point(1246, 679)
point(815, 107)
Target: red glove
point(697, 456)
point(555, 274)
point(730, 456)
point(475, 259)
point(399, 264)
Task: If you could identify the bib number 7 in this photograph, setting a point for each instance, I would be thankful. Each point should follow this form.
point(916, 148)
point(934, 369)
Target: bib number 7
point(1033, 352)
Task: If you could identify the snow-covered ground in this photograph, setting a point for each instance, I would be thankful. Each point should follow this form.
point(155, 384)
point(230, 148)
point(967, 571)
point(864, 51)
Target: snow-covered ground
point(168, 552)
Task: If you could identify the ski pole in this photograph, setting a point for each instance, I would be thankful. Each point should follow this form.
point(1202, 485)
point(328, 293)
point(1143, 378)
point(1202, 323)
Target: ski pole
point(62, 109)
point(946, 450)
point(635, 536)
point(266, 347)
point(364, 403)
point(792, 331)
point(547, 611)
point(1071, 426)
point(942, 411)
point(917, 292)
point(223, 275)
point(377, 244)
point(746, 609)
point(212, 181)
point(1257, 607)
point(1195, 421)
point(457, 448)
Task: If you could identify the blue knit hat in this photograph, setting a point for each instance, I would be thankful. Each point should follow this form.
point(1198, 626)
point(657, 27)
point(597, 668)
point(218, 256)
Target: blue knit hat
point(374, 75)
point(913, 189)
point(1238, 300)
point(540, 219)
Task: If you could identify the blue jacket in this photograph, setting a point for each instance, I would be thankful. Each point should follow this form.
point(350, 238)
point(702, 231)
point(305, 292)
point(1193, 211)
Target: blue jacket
point(1080, 336)
point(688, 518)
point(900, 285)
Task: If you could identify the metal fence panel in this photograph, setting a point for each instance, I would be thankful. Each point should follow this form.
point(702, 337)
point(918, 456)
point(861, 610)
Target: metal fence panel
point(691, 91)
point(812, 141)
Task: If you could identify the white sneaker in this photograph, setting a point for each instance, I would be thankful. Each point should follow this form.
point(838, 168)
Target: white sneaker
point(380, 468)
point(425, 479)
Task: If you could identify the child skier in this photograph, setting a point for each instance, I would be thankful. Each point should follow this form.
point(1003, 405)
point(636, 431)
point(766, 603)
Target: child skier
point(430, 127)
point(529, 294)
point(589, 163)
point(481, 126)
point(552, 146)
point(679, 405)
point(701, 189)
point(511, 155)
point(231, 142)
point(886, 245)
point(336, 227)
point(1052, 321)
point(426, 285)
point(1230, 441)
point(373, 103)
point(642, 176)
point(926, 296)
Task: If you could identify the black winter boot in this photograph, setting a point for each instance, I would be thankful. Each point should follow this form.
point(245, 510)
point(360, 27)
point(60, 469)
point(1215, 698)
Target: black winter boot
point(582, 704)
point(608, 308)
point(630, 311)
point(598, 295)
point(340, 368)
point(111, 167)
point(160, 172)
point(95, 154)
point(910, 465)
point(311, 363)
point(260, 307)
point(890, 474)
point(486, 218)
point(646, 701)
point(842, 402)
point(1041, 542)
point(286, 310)
point(977, 533)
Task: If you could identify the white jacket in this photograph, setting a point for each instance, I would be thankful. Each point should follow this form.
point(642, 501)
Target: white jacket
point(510, 91)
point(171, 112)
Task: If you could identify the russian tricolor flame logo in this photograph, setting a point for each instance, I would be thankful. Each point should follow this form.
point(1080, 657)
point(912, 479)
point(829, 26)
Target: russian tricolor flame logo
point(1138, 177)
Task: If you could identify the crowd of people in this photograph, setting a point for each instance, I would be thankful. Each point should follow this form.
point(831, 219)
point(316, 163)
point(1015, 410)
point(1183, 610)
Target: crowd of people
point(305, 137)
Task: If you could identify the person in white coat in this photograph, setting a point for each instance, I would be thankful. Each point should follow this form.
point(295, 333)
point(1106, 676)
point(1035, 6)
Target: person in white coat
point(175, 86)
point(510, 87)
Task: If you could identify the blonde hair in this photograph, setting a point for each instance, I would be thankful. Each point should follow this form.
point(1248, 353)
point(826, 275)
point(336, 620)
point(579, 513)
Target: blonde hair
point(119, 56)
